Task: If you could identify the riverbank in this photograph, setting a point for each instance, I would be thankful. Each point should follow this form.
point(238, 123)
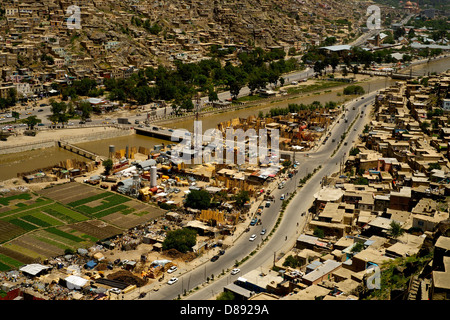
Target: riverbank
point(36, 157)
point(264, 103)
point(48, 138)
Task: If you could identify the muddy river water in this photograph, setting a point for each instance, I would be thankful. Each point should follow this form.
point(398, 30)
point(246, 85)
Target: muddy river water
point(12, 164)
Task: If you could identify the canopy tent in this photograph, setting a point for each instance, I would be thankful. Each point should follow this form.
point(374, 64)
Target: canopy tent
point(75, 282)
point(33, 269)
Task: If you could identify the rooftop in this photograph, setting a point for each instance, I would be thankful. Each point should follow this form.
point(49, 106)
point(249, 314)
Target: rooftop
point(441, 279)
point(443, 242)
point(325, 268)
point(329, 194)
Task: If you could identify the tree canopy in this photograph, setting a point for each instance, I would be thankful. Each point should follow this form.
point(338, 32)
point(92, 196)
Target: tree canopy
point(182, 240)
point(198, 199)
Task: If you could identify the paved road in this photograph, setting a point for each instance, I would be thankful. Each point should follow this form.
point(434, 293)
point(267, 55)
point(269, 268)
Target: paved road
point(290, 227)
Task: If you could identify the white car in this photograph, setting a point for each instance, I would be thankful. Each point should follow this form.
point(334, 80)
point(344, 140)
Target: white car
point(263, 231)
point(172, 280)
point(253, 237)
point(235, 271)
point(115, 290)
point(172, 269)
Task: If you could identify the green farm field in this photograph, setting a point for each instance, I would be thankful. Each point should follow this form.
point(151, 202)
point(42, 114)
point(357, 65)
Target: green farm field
point(37, 226)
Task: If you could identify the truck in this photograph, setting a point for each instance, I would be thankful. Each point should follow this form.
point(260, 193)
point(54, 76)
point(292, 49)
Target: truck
point(123, 121)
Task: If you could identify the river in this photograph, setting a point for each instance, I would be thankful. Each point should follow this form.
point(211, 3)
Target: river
point(12, 164)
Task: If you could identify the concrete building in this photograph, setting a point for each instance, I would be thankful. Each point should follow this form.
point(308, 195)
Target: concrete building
point(322, 272)
point(440, 287)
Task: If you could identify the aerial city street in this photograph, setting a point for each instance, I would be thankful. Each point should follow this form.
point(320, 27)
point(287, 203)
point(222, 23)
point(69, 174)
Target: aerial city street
point(240, 151)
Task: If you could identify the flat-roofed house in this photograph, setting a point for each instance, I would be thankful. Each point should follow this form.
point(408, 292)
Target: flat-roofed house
point(365, 258)
point(440, 286)
point(441, 250)
point(400, 200)
point(322, 272)
point(327, 195)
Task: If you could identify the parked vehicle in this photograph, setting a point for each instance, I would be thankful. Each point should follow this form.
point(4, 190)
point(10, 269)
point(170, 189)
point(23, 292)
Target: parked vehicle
point(172, 280)
point(172, 269)
point(115, 290)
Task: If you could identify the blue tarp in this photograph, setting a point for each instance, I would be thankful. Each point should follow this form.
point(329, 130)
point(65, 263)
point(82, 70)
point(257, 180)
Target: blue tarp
point(91, 264)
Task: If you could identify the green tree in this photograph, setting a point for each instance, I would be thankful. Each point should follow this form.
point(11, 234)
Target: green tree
point(226, 295)
point(198, 199)
point(434, 165)
point(329, 41)
point(235, 87)
point(354, 151)
point(424, 125)
point(361, 181)
point(85, 108)
point(395, 230)
point(212, 95)
point(58, 110)
point(353, 89)
point(241, 198)
point(319, 232)
point(12, 97)
point(357, 247)
point(333, 61)
point(344, 71)
point(187, 105)
point(291, 261)
point(319, 66)
point(181, 240)
point(31, 121)
point(107, 165)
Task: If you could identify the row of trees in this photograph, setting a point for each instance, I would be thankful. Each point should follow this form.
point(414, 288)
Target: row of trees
point(357, 56)
point(294, 108)
point(256, 69)
point(202, 199)
point(62, 111)
point(354, 89)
